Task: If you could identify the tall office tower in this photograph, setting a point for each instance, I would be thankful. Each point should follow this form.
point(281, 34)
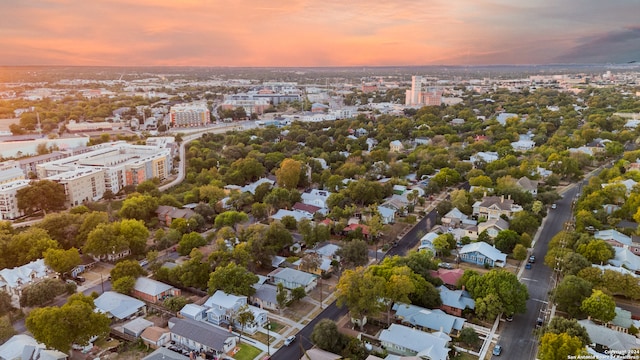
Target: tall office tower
point(413, 96)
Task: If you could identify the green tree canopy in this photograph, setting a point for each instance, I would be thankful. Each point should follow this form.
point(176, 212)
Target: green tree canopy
point(559, 346)
point(62, 261)
point(232, 279)
point(45, 195)
point(500, 290)
point(126, 268)
point(81, 323)
point(599, 306)
point(326, 336)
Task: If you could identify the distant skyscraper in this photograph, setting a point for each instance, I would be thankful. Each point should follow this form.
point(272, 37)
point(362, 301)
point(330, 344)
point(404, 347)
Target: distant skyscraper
point(417, 96)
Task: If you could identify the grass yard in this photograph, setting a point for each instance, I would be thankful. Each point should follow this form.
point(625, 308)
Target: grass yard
point(246, 352)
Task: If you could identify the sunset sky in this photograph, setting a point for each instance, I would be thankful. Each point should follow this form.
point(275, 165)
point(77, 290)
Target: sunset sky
point(317, 33)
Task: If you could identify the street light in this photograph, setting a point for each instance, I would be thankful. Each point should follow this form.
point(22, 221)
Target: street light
point(268, 337)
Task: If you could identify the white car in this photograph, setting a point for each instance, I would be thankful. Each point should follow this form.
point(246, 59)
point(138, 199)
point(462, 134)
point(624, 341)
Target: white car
point(289, 340)
point(553, 206)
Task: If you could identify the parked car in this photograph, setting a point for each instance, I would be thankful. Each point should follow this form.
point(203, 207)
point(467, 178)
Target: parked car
point(553, 206)
point(289, 340)
point(539, 322)
point(497, 350)
point(445, 265)
point(528, 266)
point(79, 279)
point(532, 259)
point(509, 317)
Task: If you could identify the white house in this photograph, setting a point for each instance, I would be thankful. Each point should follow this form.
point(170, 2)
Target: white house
point(316, 197)
point(222, 307)
point(484, 156)
point(403, 340)
point(292, 278)
point(119, 306)
point(14, 280)
point(23, 346)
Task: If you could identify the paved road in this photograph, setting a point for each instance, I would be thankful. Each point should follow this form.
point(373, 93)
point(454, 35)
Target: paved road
point(517, 338)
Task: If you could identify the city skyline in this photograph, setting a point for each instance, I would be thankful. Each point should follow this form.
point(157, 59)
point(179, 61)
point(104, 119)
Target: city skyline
point(314, 33)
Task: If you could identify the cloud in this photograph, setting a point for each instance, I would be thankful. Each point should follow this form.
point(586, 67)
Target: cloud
point(622, 45)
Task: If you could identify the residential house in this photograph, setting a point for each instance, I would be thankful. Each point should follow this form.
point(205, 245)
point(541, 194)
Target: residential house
point(403, 340)
point(152, 290)
point(399, 203)
point(316, 197)
point(356, 227)
point(319, 354)
point(528, 185)
point(629, 184)
point(162, 353)
point(524, 143)
point(387, 215)
point(426, 242)
point(251, 188)
point(15, 279)
point(456, 218)
point(306, 209)
point(493, 227)
point(298, 215)
point(422, 141)
point(166, 214)
point(503, 117)
point(603, 338)
point(626, 258)
point(222, 307)
point(484, 157)
point(457, 122)
point(265, 297)
point(136, 326)
point(615, 238)
point(292, 278)
point(492, 207)
point(454, 302)
point(449, 277)
point(326, 254)
point(396, 146)
point(200, 336)
point(428, 320)
point(193, 312)
point(119, 306)
point(25, 347)
point(481, 253)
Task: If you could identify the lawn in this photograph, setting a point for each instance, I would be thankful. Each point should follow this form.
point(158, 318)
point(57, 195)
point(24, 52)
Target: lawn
point(246, 352)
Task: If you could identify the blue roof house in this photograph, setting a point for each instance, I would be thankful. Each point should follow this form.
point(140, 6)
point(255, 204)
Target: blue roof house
point(481, 253)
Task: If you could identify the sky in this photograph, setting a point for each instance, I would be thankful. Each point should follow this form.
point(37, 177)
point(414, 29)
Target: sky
point(308, 33)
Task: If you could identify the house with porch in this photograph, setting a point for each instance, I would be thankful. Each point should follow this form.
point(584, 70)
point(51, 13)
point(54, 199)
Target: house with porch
point(166, 214)
point(492, 207)
point(493, 227)
point(152, 290)
point(292, 278)
point(403, 340)
point(119, 306)
point(221, 308)
point(454, 302)
point(200, 336)
point(265, 297)
point(528, 185)
point(15, 279)
point(480, 253)
point(616, 239)
point(427, 319)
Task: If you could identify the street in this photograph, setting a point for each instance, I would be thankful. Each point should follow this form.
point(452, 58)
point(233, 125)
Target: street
point(518, 339)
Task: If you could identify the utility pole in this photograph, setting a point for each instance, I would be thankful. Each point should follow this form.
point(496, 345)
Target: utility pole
point(268, 338)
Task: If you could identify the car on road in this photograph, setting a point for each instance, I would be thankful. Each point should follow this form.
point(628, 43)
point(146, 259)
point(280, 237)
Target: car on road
point(509, 318)
point(553, 206)
point(528, 266)
point(445, 265)
point(539, 322)
point(289, 340)
point(532, 259)
point(497, 350)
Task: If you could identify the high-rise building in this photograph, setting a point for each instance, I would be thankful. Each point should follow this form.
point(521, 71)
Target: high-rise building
point(419, 96)
point(195, 114)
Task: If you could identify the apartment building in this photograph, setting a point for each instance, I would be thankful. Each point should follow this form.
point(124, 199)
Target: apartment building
point(11, 171)
point(81, 185)
point(8, 200)
point(193, 114)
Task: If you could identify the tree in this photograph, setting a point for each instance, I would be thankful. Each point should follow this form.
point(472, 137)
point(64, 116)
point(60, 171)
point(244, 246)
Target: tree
point(243, 316)
point(175, 303)
point(298, 293)
point(570, 293)
point(326, 336)
point(130, 268)
point(62, 261)
point(559, 325)
point(189, 242)
point(354, 253)
point(597, 251)
point(5, 303)
point(230, 218)
point(356, 289)
point(500, 290)
point(441, 244)
point(288, 175)
point(124, 285)
point(81, 323)
point(232, 279)
point(559, 347)
point(599, 306)
point(62, 227)
point(40, 293)
point(282, 296)
point(468, 336)
point(519, 252)
point(89, 222)
point(6, 329)
point(45, 195)
point(506, 240)
point(139, 207)
point(28, 246)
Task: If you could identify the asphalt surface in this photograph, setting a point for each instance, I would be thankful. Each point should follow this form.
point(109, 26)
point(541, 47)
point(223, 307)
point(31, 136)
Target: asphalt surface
point(518, 339)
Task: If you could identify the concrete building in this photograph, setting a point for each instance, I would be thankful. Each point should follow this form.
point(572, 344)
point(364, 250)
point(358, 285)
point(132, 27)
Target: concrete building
point(418, 96)
point(8, 200)
point(81, 185)
point(194, 114)
point(250, 106)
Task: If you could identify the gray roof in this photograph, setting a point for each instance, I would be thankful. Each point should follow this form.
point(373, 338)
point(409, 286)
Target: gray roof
point(266, 292)
point(150, 286)
point(615, 340)
point(292, 275)
point(137, 325)
point(192, 310)
point(430, 344)
point(118, 305)
point(200, 332)
point(436, 320)
point(459, 299)
point(484, 249)
point(165, 354)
